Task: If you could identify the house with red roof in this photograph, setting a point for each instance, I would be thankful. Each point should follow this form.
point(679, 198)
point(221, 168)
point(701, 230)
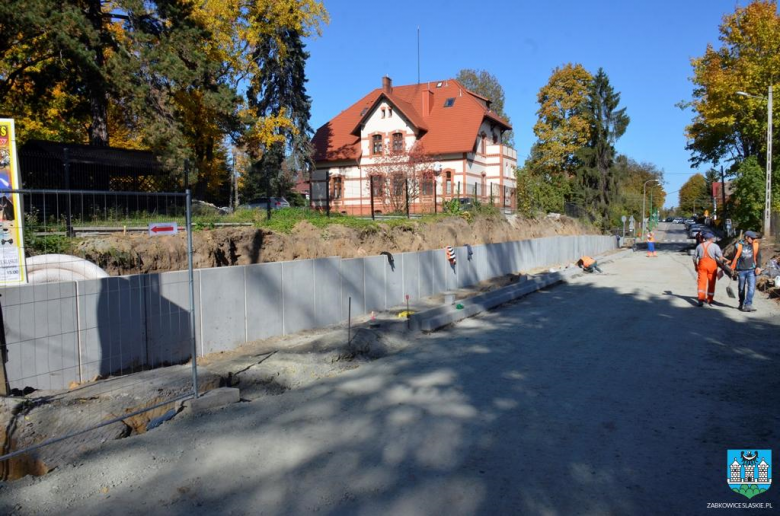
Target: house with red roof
point(454, 129)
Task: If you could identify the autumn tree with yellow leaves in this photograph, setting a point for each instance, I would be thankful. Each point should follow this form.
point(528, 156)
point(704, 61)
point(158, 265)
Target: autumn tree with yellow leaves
point(165, 75)
point(727, 126)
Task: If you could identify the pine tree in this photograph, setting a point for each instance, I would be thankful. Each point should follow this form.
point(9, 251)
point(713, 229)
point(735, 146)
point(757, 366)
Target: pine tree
point(279, 88)
point(597, 185)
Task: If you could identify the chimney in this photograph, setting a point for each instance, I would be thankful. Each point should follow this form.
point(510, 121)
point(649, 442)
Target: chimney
point(427, 102)
point(387, 84)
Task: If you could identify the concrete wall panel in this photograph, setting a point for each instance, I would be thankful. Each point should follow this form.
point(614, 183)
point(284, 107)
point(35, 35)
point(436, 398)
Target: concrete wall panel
point(167, 304)
point(327, 292)
point(112, 325)
point(411, 268)
point(223, 300)
point(263, 301)
point(427, 273)
point(41, 335)
point(466, 268)
point(394, 282)
point(298, 285)
point(353, 285)
point(441, 270)
point(375, 283)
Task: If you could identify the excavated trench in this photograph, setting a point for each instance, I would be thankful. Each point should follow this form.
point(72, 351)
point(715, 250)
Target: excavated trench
point(26, 421)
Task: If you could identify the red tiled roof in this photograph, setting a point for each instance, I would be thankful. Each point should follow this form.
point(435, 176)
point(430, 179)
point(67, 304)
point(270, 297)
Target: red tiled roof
point(401, 105)
point(445, 130)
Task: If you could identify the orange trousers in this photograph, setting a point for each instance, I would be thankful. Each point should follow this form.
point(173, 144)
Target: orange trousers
point(708, 275)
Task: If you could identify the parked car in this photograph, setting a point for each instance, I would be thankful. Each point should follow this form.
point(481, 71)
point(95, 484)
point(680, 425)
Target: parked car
point(669, 219)
point(695, 229)
point(466, 203)
point(679, 220)
point(261, 203)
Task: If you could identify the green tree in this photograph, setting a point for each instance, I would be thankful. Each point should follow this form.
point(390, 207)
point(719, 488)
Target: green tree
point(486, 84)
point(694, 195)
point(725, 124)
point(167, 75)
point(749, 197)
point(631, 177)
point(279, 89)
point(563, 126)
point(596, 180)
point(539, 193)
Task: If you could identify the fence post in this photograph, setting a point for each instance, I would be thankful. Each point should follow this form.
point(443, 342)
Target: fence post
point(406, 188)
point(371, 188)
point(435, 185)
point(192, 296)
point(68, 216)
point(327, 193)
point(5, 387)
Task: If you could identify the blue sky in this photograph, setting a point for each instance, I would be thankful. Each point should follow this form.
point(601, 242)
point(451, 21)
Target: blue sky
point(645, 48)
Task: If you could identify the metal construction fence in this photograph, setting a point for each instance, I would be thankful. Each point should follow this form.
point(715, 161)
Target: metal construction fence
point(71, 343)
point(67, 323)
point(382, 196)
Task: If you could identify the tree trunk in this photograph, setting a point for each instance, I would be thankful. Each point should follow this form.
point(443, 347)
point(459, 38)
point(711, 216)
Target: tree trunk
point(98, 97)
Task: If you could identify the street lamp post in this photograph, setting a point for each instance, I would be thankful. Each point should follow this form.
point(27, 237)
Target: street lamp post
point(768, 193)
point(644, 193)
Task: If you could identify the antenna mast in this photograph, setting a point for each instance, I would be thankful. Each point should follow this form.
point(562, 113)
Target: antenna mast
point(418, 54)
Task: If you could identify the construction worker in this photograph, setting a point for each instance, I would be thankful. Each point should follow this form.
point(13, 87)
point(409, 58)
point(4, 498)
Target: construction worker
point(746, 264)
point(588, 264)
point(651, 245)
point(705, 261)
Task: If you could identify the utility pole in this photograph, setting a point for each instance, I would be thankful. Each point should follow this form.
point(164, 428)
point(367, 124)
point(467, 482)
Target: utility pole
point(723, 193)
point(767, 206)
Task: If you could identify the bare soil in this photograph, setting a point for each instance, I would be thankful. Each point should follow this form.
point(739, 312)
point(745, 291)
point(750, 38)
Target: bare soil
point(134, 254)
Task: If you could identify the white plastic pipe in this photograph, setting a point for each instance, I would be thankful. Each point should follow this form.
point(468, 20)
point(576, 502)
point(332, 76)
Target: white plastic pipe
point(53, 276)
point(80, 268)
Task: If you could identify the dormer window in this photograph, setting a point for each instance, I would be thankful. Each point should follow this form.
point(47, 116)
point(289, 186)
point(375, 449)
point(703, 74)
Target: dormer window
point(398, 142)
point(376, 144)
point(449, 102)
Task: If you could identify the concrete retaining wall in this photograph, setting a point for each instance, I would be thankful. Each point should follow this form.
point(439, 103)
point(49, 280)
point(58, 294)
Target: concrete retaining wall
point(64, 332)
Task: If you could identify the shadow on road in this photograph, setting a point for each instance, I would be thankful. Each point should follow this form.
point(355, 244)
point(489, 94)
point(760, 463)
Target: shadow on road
point(579, 399)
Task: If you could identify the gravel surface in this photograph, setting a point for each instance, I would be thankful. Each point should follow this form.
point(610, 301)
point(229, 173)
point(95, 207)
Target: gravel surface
point(612, 394)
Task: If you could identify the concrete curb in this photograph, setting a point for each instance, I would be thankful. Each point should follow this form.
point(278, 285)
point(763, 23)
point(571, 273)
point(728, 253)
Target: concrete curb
point(435, 318)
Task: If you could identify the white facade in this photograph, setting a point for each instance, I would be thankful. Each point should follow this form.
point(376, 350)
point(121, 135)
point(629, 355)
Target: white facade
point(487, 172)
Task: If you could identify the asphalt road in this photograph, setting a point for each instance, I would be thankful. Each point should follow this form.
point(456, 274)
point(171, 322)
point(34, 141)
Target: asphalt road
point(612, 394)
point(668, 233)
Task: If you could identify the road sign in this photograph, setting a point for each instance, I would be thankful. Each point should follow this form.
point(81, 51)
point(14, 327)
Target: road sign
point(163, 228)
point(623, 218)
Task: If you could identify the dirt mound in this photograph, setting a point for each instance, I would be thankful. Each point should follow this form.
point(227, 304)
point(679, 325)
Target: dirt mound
point(132, 254)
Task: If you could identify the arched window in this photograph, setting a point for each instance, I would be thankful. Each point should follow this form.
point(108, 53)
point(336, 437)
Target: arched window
point(428, 183)
point(376, 144)
point(448, 182)
point(398, 142)
point(378, 185)
point(336, 187)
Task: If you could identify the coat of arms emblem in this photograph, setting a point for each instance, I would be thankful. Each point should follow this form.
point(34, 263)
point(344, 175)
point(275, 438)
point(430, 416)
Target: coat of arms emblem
point(749, 471)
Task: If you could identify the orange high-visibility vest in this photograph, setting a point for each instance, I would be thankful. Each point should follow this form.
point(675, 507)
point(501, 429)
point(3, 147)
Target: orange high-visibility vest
point(739, 253)
point(587, 261)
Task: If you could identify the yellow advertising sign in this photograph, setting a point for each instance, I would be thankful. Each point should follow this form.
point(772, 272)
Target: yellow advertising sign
point(12, 264)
